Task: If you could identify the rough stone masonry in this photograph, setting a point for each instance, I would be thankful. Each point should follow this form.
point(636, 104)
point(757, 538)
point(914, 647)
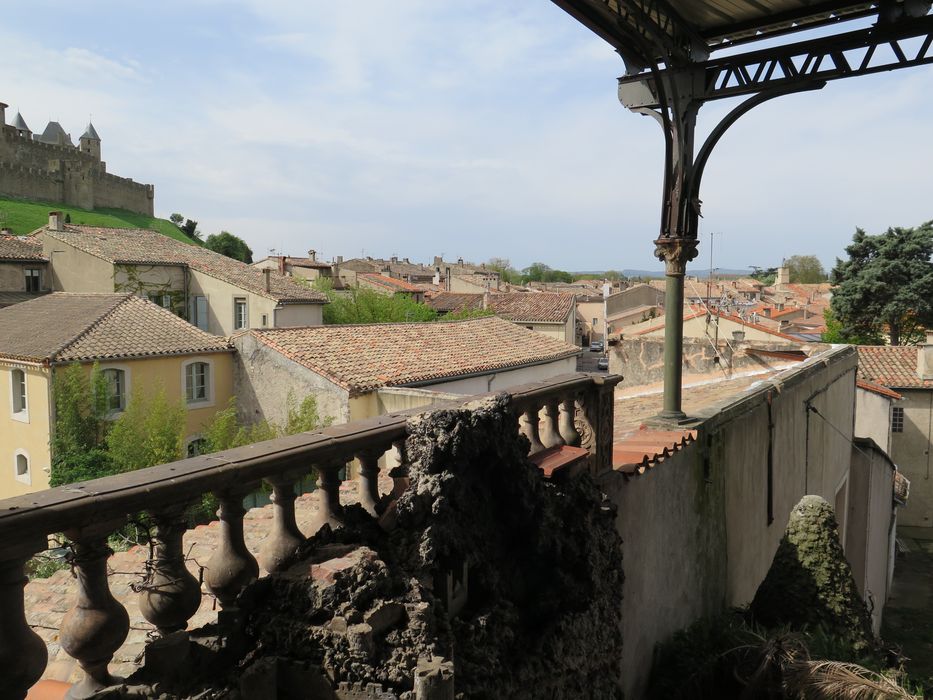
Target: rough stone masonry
point(493, 583)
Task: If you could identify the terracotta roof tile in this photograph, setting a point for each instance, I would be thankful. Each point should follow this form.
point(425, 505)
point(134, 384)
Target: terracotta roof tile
point(645, 449)
point(389, 282)
point(62, 327)
point(364, 357)
point(891, 366)
point(878, 389)
point(21, 248)
point(532, 307)
point(144, 247)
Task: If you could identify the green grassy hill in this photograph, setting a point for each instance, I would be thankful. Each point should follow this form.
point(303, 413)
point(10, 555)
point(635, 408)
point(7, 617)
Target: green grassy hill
point(24, 216)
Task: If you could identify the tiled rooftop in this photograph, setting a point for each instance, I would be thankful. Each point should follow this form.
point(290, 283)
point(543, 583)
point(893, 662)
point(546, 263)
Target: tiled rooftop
point(389, 282)
point(891, 366)
point(63, 327)
point(21, 248)
point(142, 247)
point(531, 307)
point(361, 358)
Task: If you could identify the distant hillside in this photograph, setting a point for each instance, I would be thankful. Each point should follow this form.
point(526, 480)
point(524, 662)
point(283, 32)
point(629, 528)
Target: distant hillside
point(24, 216)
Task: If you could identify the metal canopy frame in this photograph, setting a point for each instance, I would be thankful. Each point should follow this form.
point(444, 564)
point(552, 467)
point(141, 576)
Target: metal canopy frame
point(670, 74)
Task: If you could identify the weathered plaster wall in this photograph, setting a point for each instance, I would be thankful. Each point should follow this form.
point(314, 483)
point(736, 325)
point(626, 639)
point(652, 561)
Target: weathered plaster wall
point(220, 299)
point(641, 359)
point(871, 526)
point(873, 418)
point(696, 532)
point(911, 451)
point(506, 378)
point(13, 276)
point(671, 521)
point(392, 399)
point(263, 378)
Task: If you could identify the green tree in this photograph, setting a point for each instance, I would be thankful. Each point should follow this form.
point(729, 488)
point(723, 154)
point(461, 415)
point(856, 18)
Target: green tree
point(303, 417)
point(539, 272)
point(805, 269)
point(190, 229)
point(765, 275)
point(150, 431)
point(78, 438)
point(176, 219)
point(835, 333)
point(503, 266)
point(368, 306)
point(886, 284)
point(232, 246)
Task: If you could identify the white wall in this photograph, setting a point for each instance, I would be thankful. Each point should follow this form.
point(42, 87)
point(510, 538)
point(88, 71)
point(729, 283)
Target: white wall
point(873, 417)
point(292, 315)
point(506, 378)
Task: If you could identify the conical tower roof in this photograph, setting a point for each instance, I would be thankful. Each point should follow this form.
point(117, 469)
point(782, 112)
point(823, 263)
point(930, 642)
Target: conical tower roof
point(90, 132)
point(20, 123)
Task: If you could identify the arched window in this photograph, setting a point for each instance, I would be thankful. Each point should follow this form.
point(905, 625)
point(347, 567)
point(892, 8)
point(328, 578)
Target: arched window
point(21, 467)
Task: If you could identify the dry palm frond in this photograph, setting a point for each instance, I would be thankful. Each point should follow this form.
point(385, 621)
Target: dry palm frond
point(835, 680)
point(769, 660)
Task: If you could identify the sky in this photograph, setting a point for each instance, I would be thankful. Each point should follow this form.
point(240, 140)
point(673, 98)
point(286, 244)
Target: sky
point(475, 129)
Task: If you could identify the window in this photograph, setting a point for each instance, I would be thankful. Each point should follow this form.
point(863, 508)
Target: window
point(196, 446)
point(239, 313)
point(265, 320)
point(116, 389)
point(32, 279)
point(18, 381)
point(897, 419)
point(197, 312)
point(21, 467)
point(197, 382)
point(163, 300)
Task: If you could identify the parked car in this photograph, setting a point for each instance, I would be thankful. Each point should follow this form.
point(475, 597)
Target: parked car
point(603, 363)
point(597, 346)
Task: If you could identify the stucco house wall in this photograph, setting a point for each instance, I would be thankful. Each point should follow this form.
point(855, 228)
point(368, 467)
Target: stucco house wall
point(27, 434)
point(873, 417)
point(74, 270)
point(263, 379)
point(13, 275)
point(911, 451)
point(296, 315)
point(496, 381)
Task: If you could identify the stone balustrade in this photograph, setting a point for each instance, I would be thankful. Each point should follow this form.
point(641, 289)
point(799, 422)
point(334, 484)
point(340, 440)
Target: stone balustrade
point(574, 410)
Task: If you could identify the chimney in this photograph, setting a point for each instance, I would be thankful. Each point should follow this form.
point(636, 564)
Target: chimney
point(282, 265)
point(783, 275)
point(447, 280)
point(56, 221)
point(394, 259)
point(3, 107)
point(925, 358)
point(438, 261)
point(460, 261)
point(313, 255)
point(339, 259)
point(267, 278)
point(406, 260)
point(486, 300)
point(766, 311)
point(738, 336)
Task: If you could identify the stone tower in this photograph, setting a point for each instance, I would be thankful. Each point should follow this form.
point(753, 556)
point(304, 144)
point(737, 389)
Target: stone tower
point(21, 127)
point(90, 142)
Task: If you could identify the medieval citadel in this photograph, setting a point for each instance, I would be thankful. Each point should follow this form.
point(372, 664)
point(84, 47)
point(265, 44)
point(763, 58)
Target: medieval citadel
point(49, 167)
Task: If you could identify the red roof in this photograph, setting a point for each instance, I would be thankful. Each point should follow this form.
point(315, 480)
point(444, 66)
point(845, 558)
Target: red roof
point(645, 449)
point(878, 389)
point(891, 366)
point(389, 282)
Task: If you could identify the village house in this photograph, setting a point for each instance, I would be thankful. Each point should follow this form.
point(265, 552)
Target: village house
point(24, 270)
point(309, 268)
point(389, 286)
point(361, 371)
point(908, 372)
point(713, 324)
point(215, 293)
point(553, 315)
point(138, 346)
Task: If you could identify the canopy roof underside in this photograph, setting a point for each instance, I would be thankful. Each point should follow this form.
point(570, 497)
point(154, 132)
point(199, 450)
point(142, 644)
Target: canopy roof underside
point(695, 25)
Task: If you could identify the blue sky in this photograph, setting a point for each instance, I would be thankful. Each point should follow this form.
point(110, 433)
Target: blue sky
point(475, 129)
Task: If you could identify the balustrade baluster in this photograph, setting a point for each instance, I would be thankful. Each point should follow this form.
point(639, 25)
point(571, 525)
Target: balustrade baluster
point(400, 480)
point(97, 625)
point(23, 654)
point(369, 479)
point(328, 495)
point(568, 429)
point(173, 594)
point(232, 567)
point(529, 428)
point(552, 436)
point(285, 537)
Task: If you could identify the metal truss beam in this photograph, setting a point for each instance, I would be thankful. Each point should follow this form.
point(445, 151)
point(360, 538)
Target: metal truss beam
point(793, 65)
